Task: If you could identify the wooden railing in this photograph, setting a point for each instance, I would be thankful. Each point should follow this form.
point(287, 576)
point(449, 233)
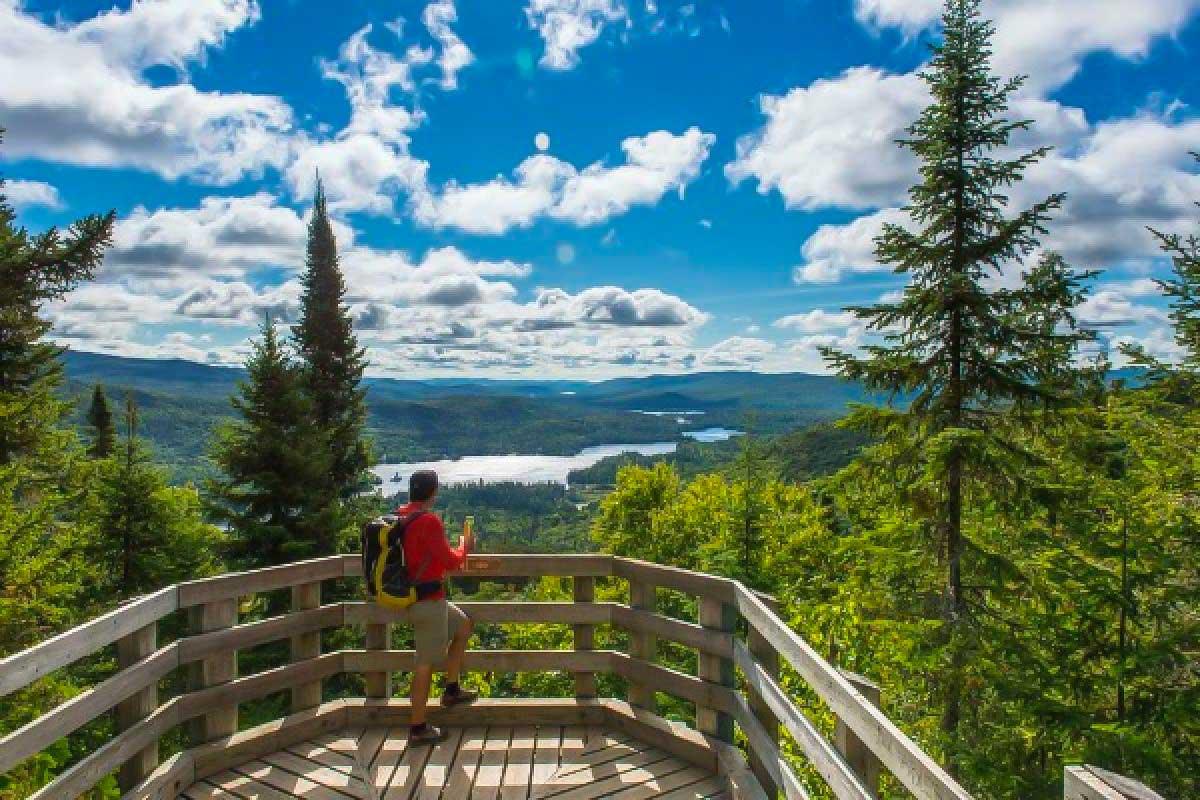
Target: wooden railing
point(866, 740)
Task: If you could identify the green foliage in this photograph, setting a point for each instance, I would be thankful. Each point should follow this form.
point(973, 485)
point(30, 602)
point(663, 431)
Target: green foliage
point(962, 347)
point(100, 419)
point(149, 534)
point(333, 363)
point(275, 462)
point(35, 269)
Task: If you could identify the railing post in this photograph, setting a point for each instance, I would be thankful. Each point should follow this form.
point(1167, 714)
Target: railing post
point(858, 756)
point(130, 650)
point(642, 645)
point(379, 637)
point(306, 645)
point(768, 657)
point(585, 636)
point(1085, 782)
point(214, 670)
point(722, 617)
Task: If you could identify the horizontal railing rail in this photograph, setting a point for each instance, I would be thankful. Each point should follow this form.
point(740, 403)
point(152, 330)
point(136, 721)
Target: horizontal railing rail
point(209, 707)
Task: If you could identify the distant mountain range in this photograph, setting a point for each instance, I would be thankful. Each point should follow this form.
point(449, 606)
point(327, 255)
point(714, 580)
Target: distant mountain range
point(182, 403)
point(697, 391)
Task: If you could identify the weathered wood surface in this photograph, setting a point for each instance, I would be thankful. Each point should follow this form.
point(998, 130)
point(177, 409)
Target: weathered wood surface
point(860, 758)
point(307, 644)
point(111, 755)
point(21, 669)
point(686, 581)
point(252, 634)
point(241, 584)
point(643, 645)
point(490, 613)
point(769, 754)
point(132, 651)
point(498, 762)
point(768, 658)
point(912, 767)
point(829, 763)
point(583, 632)
point(657, 678)
point(1087, 782)
point(689, 634)
point(721, 618)
point(212, 671)
point(81, 709)
point(372, 662)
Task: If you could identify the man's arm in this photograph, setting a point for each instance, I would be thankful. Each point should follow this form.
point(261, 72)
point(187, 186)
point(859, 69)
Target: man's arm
point(440, 551)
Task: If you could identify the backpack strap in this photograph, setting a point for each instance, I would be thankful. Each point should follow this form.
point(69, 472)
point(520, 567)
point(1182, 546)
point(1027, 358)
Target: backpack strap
point(396, 534)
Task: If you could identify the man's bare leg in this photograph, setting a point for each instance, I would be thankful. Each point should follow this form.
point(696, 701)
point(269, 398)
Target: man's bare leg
point(421, 681)
point(458, 647)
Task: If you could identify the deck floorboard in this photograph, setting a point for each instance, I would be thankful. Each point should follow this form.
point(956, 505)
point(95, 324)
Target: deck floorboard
point(497, 762)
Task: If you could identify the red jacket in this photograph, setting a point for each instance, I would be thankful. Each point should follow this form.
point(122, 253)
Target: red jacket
point(426, 550)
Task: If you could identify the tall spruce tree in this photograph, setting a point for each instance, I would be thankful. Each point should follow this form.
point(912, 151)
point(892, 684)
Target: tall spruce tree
point(149, 532)
point(957, 347)
point(276, 462)
point(100, 420)
point(333, 363)
point(35, 269)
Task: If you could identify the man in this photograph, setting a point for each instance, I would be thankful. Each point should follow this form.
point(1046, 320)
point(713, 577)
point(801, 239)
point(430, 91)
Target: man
point(440, 628)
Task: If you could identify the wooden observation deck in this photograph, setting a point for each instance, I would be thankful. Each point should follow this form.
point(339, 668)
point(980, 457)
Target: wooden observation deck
point(566, 748)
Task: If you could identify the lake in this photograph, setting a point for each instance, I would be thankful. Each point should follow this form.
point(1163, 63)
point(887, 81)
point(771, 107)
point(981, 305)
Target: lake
point(528, 468)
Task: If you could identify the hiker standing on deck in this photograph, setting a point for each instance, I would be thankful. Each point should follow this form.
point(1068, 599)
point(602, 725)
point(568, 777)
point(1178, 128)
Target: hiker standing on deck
point(440, 628)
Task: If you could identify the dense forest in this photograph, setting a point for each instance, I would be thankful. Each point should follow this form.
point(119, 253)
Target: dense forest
point(1007, 543)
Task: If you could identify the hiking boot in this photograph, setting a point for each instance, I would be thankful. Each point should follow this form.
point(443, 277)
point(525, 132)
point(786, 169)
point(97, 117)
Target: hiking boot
point(458, 698)
point(426, 734)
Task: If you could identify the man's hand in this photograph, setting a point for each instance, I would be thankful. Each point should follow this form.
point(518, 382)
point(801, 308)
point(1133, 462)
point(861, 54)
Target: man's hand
point(467, 541)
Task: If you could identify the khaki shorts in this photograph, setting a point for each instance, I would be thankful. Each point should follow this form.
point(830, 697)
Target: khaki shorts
point(435, 622)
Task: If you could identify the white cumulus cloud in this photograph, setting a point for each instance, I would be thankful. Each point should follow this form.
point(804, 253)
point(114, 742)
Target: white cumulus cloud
point(77, 93)
point(568, 26)
point(27, 194)
point(544, 186)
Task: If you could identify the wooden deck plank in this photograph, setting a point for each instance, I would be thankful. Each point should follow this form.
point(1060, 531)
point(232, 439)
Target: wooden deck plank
point(439, 767)
point(315, 751)
point(208, 791)
point(708, 788)
point(367, 748)
point(546, 754)
point(519, 769)
point(598, 757)
point(274, 777)
point(313, 771)
point(590, 776)
point(635, 776)
point(665, 783)
point(391, 753)
point(408, 772)
point(574, 740)
point(491, 766)
point(466, 763)
point(243, 788)
point(498, 762)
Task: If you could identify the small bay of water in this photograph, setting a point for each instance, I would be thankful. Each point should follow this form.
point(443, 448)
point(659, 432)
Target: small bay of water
point(526, 468)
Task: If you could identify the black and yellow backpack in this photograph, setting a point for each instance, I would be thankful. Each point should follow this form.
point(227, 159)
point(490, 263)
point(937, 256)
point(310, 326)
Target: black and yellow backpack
point(384, 568)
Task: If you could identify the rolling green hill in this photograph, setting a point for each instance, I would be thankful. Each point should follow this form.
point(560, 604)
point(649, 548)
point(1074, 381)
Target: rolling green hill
point(182, 402)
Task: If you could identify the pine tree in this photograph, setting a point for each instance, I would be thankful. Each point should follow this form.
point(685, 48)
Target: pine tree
point(333, 361)
point(275, 461)
point(956, 347)
point(100, 418)
point(151, 534)
point(35, 269)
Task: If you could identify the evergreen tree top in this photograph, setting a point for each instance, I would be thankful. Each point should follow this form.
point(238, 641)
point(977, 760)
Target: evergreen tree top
point(959, 337)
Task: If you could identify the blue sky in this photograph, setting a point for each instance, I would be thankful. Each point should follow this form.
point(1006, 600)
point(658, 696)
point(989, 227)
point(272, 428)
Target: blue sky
point(576, 188)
